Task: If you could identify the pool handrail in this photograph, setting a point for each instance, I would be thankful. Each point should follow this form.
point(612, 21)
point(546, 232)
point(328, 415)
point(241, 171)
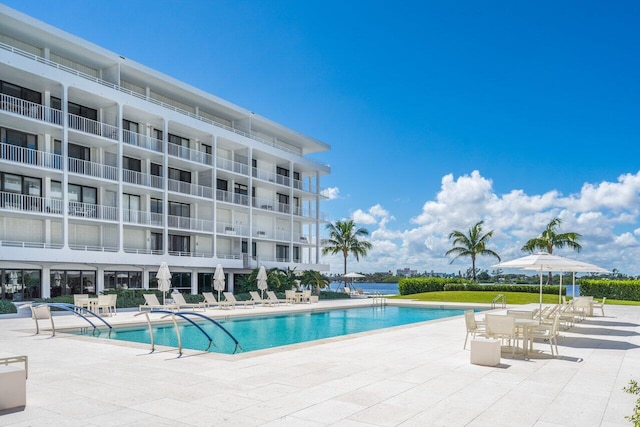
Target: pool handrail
point(75, 309)
point(182, 315)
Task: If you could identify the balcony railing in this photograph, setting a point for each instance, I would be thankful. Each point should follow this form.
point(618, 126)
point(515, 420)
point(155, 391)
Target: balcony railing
point(30, 109)
point(142, 141)
point(96, 170)
point(142, 217)
point(264, 174)
point(26, 203)
point(232, 229)
point(93, 127)
point(186, 223)
point(138, 178)
point(232, 166)
point(91, 248)
point(189, 154)
point(189, 188)
point(119, 88)
point(228, 197)
point(30, 156)
point(89, 210)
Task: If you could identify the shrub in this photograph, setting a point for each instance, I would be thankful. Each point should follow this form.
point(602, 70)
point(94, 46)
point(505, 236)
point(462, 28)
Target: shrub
point(628, 290)
point(333, 295)
point(7, 307)
point(633, 388)
point(418, 285)
point(546, 289)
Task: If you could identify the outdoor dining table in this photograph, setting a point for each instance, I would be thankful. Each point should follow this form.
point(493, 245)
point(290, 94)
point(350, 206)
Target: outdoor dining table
point(526, 325)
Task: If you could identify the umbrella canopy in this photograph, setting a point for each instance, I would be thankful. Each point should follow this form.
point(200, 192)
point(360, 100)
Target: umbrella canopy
point(164, 279)
point(262, 279)
point(218, 280)
point(546, 262)
point(353, 275)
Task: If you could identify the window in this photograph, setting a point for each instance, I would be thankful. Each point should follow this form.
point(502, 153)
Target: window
point(179, 243)
point(56, 190)
point(178, 140)
point(82, 111)
point(296, 253)
point(156, 241)
point(19, 139)
point(282, 171)
point(130, 126)
point(179, 175)
point(56, 103)
point(240, 189)
point(282, 253)
point(156, 169)
point(82, 194)
point(179, 209)
point(130, 131)
point(129, 163)
point(79, 152)
point(19, 184)
point(221, 184)
point(20, 92)
point(155, 206)
point(131, 202)
point(157, 134)
point(206, 148)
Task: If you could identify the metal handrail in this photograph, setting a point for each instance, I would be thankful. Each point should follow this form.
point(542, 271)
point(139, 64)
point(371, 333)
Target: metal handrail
point(75, 309)
point(182, 315)
point(499, 298)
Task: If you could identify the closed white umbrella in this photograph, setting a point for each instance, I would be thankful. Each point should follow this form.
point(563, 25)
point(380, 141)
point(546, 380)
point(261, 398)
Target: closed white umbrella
point(164, 279)
point(218, 280)
point(262, 280)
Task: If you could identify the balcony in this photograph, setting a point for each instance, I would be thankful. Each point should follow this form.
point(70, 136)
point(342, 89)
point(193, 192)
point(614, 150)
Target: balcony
point(30, 109)
point(232, 229)
point(142, 217)
point(192, 189)
point(28, 156)
point(232, 166)
point(228, 197)
point(91, 211)
point(138, 178)
point(142, 141)
point(187, 223)
point(93, 127)
point(186, 153)
point(96, 170)
point(26, 203)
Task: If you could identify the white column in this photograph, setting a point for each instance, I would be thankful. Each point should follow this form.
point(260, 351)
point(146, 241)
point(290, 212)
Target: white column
point(45, 288)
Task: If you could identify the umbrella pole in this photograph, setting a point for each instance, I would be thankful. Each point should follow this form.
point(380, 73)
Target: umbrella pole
point(560, 290)
point(573, 286)
point(540, 290)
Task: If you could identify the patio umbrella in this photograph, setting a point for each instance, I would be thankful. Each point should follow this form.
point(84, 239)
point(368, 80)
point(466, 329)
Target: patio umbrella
point(262, 280)
point(545, 262)
point(353, 276)
point(164, 279)
point(218, 280)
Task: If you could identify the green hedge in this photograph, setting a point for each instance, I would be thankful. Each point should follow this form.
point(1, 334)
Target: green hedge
point(628, 290)
point(418, 285)
point(7, 307)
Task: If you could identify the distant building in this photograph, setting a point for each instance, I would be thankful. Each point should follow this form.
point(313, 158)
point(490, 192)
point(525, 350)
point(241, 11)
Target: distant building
point(406, 272)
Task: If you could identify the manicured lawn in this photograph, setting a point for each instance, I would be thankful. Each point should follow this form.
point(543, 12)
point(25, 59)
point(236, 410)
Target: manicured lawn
point(486, 297)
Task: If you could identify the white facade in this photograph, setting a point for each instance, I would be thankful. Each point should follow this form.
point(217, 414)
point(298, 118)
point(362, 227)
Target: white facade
point(108, 168)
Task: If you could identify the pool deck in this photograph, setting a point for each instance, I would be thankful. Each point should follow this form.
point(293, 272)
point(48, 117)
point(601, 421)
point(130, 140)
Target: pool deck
point(415, 375)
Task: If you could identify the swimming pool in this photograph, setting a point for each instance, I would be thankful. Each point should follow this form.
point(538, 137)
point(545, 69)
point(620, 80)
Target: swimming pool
point(263, 332)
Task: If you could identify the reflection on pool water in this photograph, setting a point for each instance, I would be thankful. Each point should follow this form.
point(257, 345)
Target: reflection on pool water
point(262, 332)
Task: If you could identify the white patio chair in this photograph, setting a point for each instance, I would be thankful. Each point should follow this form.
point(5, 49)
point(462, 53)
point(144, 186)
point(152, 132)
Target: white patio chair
point(600, 305)
point(473, 327)
point(548, 333)
point(504, 328)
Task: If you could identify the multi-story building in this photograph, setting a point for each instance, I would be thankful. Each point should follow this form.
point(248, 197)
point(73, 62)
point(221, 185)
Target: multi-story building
point(108, 168)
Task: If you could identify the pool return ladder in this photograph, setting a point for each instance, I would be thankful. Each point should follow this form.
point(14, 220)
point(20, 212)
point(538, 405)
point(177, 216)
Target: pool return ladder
point(378, 299)
point(183, 315)
point(43, 311)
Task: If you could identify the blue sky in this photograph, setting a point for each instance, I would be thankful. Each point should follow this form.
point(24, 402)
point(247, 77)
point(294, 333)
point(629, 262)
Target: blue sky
point(439, 114)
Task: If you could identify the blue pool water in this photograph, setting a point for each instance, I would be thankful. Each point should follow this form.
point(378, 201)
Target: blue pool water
point(262, 332)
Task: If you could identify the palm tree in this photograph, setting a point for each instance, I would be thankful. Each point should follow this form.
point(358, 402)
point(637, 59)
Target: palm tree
point(343, 238)
point(550, 239)
point(315, 279)
point(471, 244)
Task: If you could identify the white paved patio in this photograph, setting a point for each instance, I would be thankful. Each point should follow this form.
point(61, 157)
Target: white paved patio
point(411, 376)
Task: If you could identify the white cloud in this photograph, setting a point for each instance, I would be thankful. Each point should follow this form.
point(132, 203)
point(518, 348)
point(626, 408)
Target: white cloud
point(606, 214)
point(331, 193)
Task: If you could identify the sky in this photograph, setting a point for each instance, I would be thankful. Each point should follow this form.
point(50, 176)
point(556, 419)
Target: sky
point(438, 114)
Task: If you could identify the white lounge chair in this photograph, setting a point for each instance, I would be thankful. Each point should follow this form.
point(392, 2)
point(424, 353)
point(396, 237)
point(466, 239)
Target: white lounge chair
point(180, 302)
point(256, 298)
point(232, 301)
point(273, 299)
point(151, 302)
